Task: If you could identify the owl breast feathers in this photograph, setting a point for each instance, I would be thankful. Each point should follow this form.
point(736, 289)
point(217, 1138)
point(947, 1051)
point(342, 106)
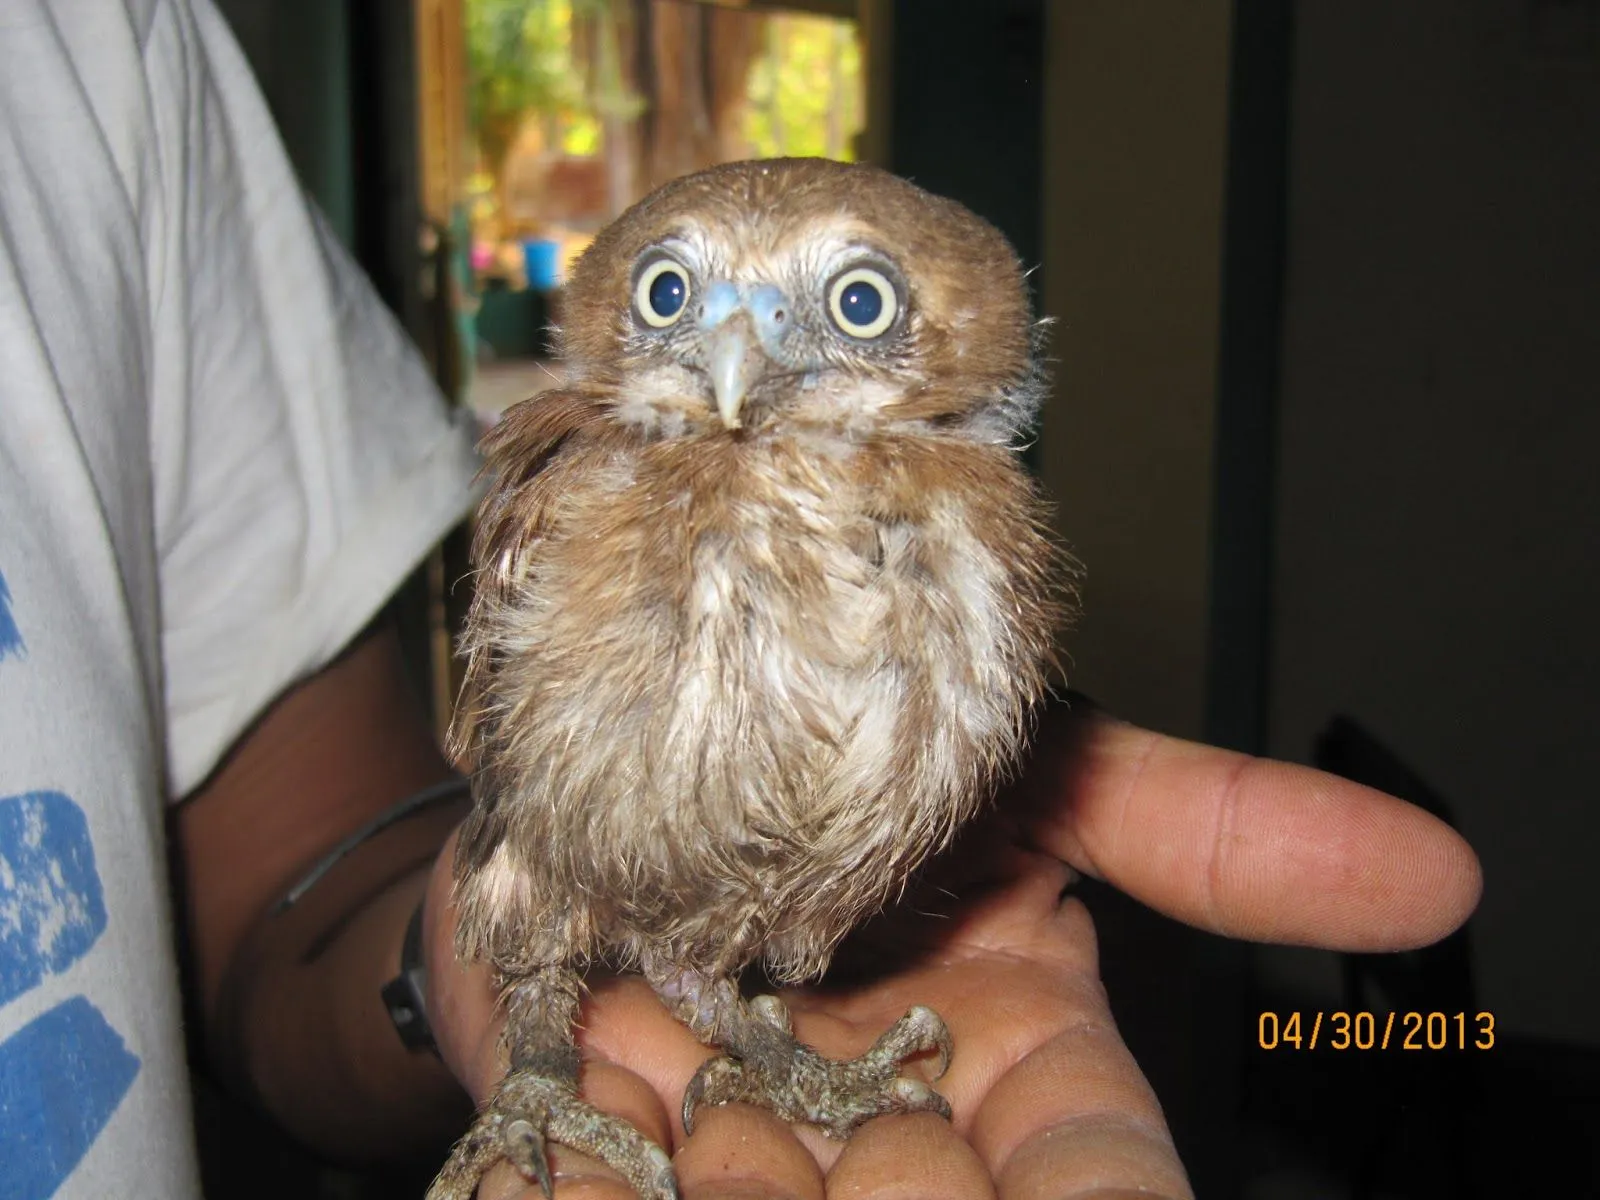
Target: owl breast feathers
point(764, 599)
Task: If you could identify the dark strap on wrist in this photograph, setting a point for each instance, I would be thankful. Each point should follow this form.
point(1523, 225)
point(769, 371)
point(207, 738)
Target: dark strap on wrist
point(405, 996)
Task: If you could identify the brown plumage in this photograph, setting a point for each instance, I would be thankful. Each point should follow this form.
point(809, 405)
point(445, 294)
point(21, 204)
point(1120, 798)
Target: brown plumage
point(764, 600)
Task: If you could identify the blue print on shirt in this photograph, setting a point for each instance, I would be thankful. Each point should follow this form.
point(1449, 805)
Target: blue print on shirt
point(10, 636)
point(61, 1077)
point(63, 1074)
point(51, 908)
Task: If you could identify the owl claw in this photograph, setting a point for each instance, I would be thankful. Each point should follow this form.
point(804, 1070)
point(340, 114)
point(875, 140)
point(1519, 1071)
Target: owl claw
point(773, 1011)
point(798, 1084)
point(523, 1145)
point(529, 1110)
point(919, 1030)
point(719, 1081)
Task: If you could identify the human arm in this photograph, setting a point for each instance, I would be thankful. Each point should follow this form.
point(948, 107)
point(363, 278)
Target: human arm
point(303, 464)
point(290, 1001)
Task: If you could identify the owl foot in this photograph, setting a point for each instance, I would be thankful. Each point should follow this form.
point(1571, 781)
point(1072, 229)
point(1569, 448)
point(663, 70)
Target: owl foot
point(530, 1109)
point(767, 1067)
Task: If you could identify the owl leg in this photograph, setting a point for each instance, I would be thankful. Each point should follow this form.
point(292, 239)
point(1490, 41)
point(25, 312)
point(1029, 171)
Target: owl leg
point(765, 1065)
point(538, 1102)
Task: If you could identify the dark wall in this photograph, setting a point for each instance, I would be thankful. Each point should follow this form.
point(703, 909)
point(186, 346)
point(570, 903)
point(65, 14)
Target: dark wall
point(968, 95)
point(1438, 543)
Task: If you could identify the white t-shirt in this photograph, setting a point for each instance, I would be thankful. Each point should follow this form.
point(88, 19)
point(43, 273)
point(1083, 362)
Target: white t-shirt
point(218, 457)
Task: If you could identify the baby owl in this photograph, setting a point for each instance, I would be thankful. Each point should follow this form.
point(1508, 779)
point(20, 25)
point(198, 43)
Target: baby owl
point(764, 602)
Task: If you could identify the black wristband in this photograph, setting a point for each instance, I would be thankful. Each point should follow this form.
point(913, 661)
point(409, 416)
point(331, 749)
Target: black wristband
point(405, 996)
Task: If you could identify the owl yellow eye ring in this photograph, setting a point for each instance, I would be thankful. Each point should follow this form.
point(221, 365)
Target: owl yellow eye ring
point(662, 294)
point(863, 303)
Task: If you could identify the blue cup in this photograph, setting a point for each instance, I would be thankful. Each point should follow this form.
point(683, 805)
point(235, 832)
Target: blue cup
point(541, 259)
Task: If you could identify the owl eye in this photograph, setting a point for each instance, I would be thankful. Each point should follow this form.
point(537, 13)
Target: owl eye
point(662, 293)
point(863, 303)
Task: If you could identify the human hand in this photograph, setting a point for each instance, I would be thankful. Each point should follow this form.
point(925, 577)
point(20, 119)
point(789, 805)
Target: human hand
point(1046, 1098)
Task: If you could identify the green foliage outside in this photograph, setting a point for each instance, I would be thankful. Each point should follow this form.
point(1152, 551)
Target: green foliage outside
point(520, 61)
point(524, 59)
point(805, 91)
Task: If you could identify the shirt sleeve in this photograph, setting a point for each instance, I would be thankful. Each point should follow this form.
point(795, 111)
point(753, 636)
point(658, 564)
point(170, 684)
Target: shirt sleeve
point(304, 461)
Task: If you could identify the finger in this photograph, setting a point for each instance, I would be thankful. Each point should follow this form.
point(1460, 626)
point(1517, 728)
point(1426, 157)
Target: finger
point(577, 1178)
point(463, 1005)
point(743, 1153)
point(1088, 1160)
point(625, 1022)
point(909, 1158)
point(1248, 847)
point(622, 1093)
point(1074, 1116)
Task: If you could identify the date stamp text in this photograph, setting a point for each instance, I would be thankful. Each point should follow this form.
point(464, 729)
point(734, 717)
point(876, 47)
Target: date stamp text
point(1404, 1031)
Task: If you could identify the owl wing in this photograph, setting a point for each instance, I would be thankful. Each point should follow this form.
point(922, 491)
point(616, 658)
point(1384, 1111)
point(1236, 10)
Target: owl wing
point(523, 455)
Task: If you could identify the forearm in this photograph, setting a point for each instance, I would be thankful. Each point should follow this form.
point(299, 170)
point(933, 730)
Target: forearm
point(290, 997)
point(303, 1022)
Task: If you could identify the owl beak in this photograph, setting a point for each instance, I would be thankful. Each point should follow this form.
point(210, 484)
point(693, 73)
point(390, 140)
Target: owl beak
point(736, 363)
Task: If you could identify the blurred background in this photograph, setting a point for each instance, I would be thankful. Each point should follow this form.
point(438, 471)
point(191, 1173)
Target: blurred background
point(1326, 281)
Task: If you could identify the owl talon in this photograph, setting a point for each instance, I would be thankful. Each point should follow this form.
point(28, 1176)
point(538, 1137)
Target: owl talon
point(920, 1030)
point(773, 1011)
point(719, 1081)
point(524, 1146)
point(798, 1084)
point(473, 1155)
point(529, 1110)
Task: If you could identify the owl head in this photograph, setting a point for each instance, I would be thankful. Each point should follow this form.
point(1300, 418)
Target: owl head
point(791, 293)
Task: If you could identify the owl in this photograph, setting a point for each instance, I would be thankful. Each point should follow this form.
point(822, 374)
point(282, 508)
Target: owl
point(764, 603)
